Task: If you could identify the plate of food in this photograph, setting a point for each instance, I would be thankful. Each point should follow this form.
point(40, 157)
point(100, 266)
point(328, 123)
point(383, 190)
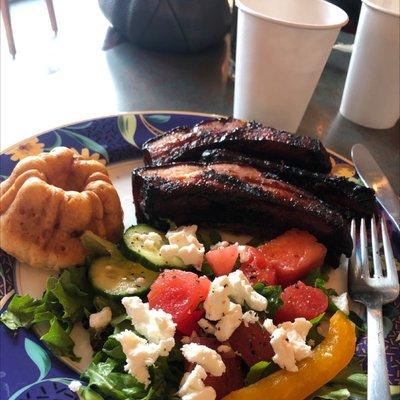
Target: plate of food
point(167, 255)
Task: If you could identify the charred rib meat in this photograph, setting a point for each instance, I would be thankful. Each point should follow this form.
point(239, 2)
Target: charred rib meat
point(235, 197)
point(352, 200)
point(249, 138)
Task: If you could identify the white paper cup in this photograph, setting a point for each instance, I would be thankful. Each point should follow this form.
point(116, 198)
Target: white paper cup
point(282, 48)
point(371, 94)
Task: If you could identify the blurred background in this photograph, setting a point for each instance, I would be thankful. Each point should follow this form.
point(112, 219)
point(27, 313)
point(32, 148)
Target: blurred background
point(89, 69)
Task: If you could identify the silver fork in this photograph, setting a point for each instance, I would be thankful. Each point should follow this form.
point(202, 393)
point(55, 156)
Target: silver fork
point(373, 290)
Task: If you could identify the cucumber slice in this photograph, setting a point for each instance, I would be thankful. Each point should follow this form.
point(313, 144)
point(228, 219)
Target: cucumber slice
point(133, 247)
point(99, 245)
point(120, 277)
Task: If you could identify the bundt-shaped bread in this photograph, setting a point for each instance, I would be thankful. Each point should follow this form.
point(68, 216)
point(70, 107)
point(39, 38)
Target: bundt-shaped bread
point(47, 203)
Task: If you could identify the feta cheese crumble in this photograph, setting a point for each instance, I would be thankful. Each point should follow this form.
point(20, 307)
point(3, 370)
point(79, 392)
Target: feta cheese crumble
point(229, 322)
point(156, 326)
point(224, 348)
point(288, 341)
point(218, 306)
point(241, 291)
point(207, 326)
point(250, 317)
point(220, 245)
point(192, 386)
point(140, 354)
point(243, 254)
point(75, 386)
point(183, 243)
point(341, 302)
point(217, 301)
point(100, 319)
point(153, 324)
point(208, 358)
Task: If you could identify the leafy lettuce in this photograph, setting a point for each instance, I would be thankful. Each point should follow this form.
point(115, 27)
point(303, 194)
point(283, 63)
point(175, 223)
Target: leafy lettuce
point(66, 300)
point(273, 294)
point(106, 375)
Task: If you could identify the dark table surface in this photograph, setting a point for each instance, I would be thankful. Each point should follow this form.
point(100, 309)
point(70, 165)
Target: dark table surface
point(200, 82)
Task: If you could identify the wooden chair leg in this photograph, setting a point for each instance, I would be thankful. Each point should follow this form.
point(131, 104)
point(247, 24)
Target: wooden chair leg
point(52, 15)
point(5, 11)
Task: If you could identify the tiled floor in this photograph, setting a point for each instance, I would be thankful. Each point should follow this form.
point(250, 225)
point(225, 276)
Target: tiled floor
point(54, 80)
point(67, 78)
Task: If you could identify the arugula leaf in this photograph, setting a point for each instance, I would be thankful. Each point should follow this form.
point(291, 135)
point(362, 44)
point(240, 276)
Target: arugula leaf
point(104, 377)
point(313, 334)
point(66, 300)
point(88, 394)
point(59, 341)
point(117, 308)
point(358, 322)
point(20, 312)
point(273, 294)
point(207, 270)
point(260, 370)
point(208, 237)
point(106, 373)
point(113, 349)
point(350, 383)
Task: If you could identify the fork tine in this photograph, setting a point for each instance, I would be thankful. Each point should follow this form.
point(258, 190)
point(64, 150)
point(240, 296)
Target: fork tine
point(391, 270)
point(354, 270)
point(375, 250)
point(364, 249)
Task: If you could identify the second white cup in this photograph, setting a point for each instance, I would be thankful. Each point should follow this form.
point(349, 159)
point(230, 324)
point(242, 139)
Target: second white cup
point(282, 48)
point(371, 95)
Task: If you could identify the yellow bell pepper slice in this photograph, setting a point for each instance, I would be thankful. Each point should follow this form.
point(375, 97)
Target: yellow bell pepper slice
point(327, 360)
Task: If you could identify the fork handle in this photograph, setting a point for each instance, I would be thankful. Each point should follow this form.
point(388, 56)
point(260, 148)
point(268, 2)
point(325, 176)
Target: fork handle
point(378, 382)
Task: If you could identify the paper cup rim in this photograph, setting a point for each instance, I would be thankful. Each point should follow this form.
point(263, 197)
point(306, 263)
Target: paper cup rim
point(371, 3)
point(345, 18)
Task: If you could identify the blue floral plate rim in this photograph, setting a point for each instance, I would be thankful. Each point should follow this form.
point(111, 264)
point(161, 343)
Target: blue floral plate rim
point(119, 138)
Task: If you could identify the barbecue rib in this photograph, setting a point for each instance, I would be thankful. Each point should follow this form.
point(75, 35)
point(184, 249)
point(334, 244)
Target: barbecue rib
point(352, 200)
point(249, 138)
point(237, 198)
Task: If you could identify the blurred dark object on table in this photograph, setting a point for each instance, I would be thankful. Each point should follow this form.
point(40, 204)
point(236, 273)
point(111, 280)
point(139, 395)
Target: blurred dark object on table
point(170, 25)
point(352, 8)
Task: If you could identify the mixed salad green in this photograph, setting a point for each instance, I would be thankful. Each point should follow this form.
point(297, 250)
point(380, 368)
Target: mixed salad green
point(77, 293)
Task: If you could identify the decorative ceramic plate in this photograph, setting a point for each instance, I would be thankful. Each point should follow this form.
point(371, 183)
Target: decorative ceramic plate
point(28, 370)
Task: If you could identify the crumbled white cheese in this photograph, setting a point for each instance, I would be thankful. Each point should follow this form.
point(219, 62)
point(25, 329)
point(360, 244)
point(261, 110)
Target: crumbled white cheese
point(153, 324)
point(156, 326)
point(192, 386)
point(75, 386)
point(288, 341)
point(208, 358)
point(140, 354)
point(150, 240)
point(224, 348)
point(229, 322)
point(100, 319)
point(341, 302)
point(183, 243)
point(207, 326)
point(220, 245)
point(217, 301)
point(241, 291)
point(250, 317)
point(218, 306)
point(243, 254)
